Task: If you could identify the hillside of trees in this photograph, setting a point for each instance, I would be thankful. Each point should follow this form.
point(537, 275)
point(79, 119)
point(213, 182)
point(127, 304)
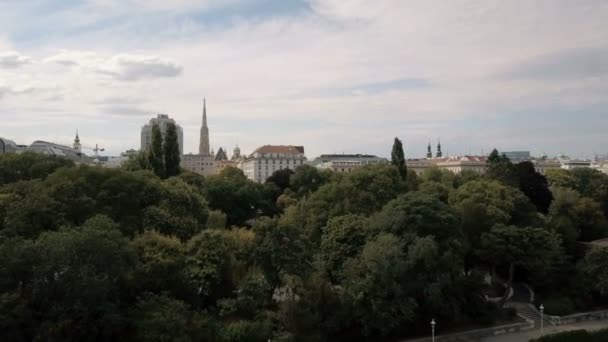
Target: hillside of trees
point(152, 253)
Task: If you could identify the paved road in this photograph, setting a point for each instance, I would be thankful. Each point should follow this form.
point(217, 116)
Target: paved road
point(526, 336)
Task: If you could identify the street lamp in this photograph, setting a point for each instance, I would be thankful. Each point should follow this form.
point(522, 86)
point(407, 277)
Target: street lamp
point(542, 319)
point(433, 330)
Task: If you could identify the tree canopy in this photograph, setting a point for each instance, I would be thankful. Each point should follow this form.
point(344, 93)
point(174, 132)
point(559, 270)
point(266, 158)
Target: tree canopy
point(312, 255)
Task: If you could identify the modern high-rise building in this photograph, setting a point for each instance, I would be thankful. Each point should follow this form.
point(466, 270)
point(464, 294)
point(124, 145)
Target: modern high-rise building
point(518, 156)
point(162, 120)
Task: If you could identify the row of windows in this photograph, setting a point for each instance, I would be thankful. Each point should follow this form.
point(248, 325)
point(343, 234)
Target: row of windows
point(274, 161)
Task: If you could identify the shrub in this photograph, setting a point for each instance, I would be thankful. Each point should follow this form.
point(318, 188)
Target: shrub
point(245, 331)
point(576, 336)
point(559, 306)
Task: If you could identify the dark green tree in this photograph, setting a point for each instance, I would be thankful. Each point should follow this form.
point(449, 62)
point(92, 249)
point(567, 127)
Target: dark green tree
point(535, 186)
point(158, 317)
point(15, 167)
point(155, 152)
point(171, 151)
point(307, 179)
point(501, 169)
point(280, 178)
point(343, 238)
point(373, 284)
point(398, 158)
point(533, 249)
point(280, 249)
point(595, 268)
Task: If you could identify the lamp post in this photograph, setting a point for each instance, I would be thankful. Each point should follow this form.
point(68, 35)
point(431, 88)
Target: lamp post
point(433, 330)
point(542, 319)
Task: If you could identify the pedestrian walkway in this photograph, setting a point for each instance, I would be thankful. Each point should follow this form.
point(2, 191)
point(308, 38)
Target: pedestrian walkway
point(528, 335)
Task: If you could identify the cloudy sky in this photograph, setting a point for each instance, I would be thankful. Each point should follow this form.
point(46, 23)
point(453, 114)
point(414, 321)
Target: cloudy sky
point(332, 75)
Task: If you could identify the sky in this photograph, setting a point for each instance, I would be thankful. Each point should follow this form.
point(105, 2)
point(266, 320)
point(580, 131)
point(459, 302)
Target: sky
point(336, 76)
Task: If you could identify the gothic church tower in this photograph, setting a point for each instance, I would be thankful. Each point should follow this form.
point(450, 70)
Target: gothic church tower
point(203, 148)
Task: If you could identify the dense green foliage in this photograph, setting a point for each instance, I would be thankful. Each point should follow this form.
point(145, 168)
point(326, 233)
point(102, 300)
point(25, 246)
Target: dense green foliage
point(156, 159)
point(398, 158)
point(171, 151)
point(88, 253)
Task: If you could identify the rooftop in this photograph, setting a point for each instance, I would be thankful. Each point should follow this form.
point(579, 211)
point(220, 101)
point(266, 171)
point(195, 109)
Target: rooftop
point(284, 149)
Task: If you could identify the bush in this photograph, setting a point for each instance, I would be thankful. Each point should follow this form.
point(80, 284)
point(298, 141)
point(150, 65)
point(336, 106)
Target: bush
point(576, 336)
point(559, 306)
point(245, 331)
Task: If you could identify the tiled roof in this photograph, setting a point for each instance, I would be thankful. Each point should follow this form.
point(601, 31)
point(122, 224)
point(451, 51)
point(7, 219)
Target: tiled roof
point(289, 149)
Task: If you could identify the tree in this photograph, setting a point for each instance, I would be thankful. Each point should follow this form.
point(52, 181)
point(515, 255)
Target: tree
point(281, 178)
point(158, 317)
point(25, 166)
point(501, 169)
point(77, 280)
point(398, 158)
point(343, 238)
point(208, 266)
point(155, 152)
point(576, 218)
point(137, 162)
point(171, 151)
point(560, 178)
point(161, 264)
point(307, 179)
point(182, 211)
point(417, 214)
point(533, 249)
point(280, 249)
point(595, 268)
point(373, 284)
point(535, 186)
point(503, 204)
point(235, 195)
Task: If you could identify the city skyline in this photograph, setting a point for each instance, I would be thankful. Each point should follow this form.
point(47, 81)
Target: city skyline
point(310, 73)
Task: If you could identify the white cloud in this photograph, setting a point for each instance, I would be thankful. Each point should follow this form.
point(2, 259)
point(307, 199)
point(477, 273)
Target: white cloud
point(12, 59)
point(126, 67)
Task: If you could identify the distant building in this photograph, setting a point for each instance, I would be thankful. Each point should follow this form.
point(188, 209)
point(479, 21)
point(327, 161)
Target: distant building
point(162, 120)
point(236, 154)
point(203, 165)
point(8, 146)
point(265, 160)
point(457, 164)
point(542, 165)
point(113, 162)
point(346, 162)
point(601, 166)
point(570, 164)
point(53, 149)
point(518, 156)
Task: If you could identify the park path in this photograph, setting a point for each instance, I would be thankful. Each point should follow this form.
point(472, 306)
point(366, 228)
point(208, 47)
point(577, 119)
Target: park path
point(528, 335)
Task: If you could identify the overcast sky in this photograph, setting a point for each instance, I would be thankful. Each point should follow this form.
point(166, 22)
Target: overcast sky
point(332, 75)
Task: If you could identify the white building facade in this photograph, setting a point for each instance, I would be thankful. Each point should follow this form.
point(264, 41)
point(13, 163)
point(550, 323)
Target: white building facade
point(346, 162)
point(265, 160)
point(162, 120)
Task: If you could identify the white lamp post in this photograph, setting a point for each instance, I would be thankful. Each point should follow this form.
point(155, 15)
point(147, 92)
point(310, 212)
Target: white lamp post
point(433, 330)
point(542, 319)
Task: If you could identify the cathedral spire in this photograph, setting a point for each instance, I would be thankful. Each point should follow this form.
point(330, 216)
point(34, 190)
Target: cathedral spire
point(203, 147)
point(429, 153)
point(439, 153)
